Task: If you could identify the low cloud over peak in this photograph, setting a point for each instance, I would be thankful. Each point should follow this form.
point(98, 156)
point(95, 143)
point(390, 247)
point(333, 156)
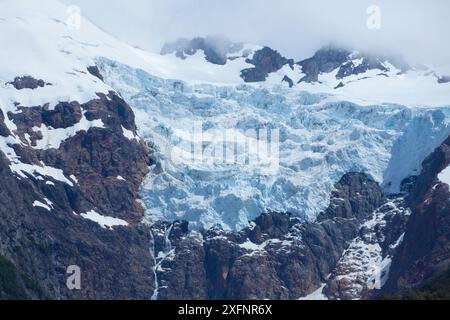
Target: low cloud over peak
point(417, 29)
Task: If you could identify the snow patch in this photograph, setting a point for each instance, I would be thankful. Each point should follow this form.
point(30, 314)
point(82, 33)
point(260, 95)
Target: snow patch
point(364, 265)
point(444, 176)
point(104, 221)
point(320, 141)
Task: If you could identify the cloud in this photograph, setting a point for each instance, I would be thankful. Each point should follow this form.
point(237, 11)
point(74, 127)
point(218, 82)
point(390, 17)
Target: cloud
point(417, 29)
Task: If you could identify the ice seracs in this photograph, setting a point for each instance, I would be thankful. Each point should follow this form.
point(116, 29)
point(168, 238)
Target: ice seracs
point(321, 139)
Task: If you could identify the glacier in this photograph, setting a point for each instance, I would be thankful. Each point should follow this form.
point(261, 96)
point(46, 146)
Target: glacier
point(320, 141)
point(322, 135)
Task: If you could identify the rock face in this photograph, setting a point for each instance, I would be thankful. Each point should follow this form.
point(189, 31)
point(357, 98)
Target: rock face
point(425, 251)
point(277, 257)
point(289, 81)
point(43, 224)
point(219, 50)
point(265, 61)
point(355, 197)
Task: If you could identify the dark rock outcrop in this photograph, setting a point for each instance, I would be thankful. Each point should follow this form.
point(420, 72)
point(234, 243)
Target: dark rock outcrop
point(355, 197)
point(219, 50)
point(288, 80)
point(64, 115)
point(325, 60)
point(444, 79)
point(4, 131)
point(95, 72)
point(364, 266)
point(41, 244)
point(265, 61)
point(340, 85)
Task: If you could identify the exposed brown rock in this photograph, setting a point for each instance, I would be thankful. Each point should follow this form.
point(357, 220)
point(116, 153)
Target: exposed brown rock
point(265, 61)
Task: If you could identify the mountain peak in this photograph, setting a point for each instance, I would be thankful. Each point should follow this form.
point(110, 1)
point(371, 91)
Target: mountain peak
point(348, 63)
point(217, 48)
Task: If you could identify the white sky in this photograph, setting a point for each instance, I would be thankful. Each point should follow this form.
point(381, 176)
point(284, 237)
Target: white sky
point(418, 29)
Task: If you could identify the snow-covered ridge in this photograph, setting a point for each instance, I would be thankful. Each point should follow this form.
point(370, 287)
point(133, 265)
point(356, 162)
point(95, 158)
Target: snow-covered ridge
point(348, 75)
point(103, 221)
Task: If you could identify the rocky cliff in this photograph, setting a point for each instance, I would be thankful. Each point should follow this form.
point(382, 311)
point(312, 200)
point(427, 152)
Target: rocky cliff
point(74, 203)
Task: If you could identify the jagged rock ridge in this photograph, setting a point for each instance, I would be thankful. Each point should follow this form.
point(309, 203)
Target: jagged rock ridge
point(265, 61)
point(277, 257)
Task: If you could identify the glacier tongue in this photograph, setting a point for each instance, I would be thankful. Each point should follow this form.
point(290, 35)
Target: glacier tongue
point(319, 143)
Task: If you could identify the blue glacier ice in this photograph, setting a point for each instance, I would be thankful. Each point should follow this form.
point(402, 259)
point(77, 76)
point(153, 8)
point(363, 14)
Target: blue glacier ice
point(320, 141)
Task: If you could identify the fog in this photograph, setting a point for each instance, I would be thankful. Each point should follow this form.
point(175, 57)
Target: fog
point(416, 29)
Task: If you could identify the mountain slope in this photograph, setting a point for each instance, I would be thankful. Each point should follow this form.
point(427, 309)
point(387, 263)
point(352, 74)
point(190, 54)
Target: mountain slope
point(96, 168)
point(425, 251)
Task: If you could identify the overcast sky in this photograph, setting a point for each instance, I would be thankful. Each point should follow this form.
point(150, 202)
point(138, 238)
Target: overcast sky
point(418, 29)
